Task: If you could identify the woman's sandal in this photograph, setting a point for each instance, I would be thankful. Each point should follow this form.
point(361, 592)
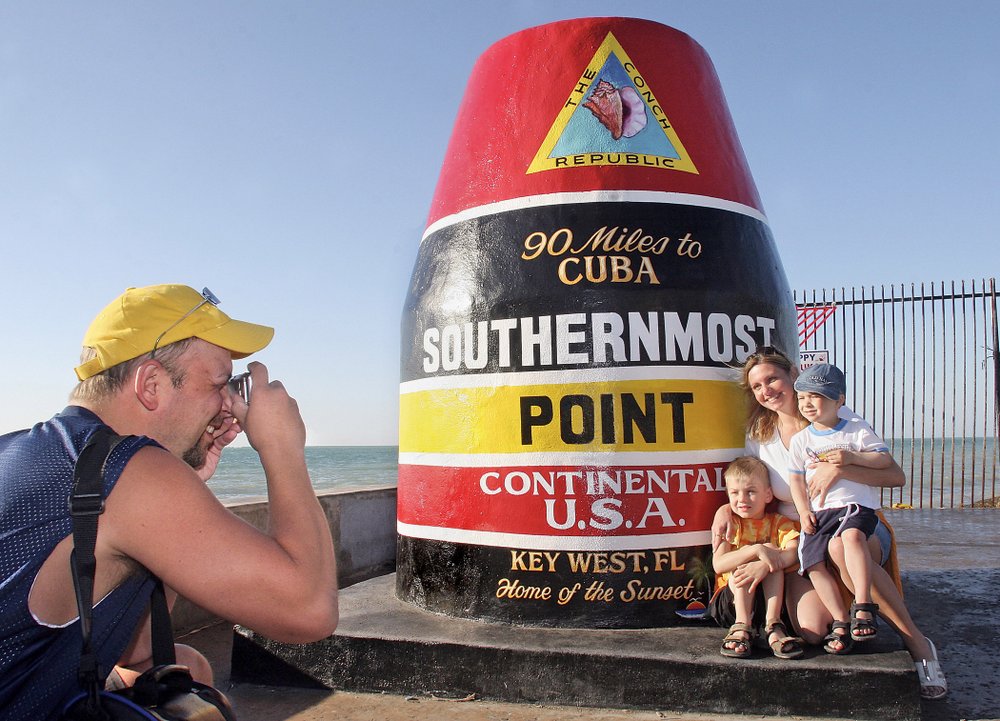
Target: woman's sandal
point(932, 682)
point(741, 636)
point(844, 639)
point(867, 625)
point(784, 646)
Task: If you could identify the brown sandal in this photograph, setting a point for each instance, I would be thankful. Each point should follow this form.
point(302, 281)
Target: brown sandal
point(784, 646)
point(741, 636)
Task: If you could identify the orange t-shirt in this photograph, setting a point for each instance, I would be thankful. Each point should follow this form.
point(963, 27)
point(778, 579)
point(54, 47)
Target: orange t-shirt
point(772, 528)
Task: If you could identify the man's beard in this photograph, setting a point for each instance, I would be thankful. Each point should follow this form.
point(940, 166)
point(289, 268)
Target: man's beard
point(195, 456)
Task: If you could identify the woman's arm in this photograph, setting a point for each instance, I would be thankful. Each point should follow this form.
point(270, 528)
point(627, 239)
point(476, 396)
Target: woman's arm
point(826, 474)
point(800, 496)
point(723, 526)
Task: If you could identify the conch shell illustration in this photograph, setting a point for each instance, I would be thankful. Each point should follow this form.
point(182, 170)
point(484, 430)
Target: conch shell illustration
point(620, 110)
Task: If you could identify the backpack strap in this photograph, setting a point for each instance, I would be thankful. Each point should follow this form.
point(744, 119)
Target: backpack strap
point(161, 627)
point(86, 503)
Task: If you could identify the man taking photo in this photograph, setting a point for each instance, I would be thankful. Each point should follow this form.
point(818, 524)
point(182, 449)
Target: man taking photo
point(156, 367)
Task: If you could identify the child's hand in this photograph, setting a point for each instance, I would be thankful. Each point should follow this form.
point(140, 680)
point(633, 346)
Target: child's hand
point(769, 556)
point(839, 457)
point(808, 521)
point(749, 575)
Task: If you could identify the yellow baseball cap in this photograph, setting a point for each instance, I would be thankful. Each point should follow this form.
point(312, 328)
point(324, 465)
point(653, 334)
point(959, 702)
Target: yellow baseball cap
point(141, 319)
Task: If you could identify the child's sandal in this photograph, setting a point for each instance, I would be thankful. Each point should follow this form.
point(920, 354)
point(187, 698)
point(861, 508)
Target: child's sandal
point(741, 637)
point(844, 639)
point(784, 646)
point(867, 625)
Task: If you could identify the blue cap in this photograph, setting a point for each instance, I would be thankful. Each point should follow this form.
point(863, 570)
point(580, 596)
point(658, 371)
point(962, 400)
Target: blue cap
point(825, 379)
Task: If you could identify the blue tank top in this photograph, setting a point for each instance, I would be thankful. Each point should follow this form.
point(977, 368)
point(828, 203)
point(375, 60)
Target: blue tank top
point(39, 663)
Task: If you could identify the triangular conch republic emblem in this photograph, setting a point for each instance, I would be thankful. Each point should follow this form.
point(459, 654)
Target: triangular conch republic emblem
point(612, 117)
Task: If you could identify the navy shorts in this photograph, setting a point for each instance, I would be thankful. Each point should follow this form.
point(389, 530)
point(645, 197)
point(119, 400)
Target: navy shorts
point(830, 523)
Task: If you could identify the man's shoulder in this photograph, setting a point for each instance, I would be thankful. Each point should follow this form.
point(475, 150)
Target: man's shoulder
point(148, 461)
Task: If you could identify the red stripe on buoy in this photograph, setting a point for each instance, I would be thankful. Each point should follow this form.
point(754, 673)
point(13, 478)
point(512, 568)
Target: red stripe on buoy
point(520, 84)
point(561, 501)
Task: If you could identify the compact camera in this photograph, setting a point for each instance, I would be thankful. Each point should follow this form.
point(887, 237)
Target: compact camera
point(239, 385)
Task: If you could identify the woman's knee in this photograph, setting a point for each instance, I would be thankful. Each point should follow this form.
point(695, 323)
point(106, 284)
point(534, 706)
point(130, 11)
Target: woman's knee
point(810, 623)
point(809, 616)
point(201, 669)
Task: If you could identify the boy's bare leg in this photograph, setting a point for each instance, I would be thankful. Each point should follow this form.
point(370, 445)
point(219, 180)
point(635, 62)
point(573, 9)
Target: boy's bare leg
point(859, 567)
point(826, 587)
point(859, 564)
point(774, 592)
point(891, 606)
point(743, 604)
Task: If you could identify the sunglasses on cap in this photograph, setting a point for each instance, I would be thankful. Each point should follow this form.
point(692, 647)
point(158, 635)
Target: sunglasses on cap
point(207, 297)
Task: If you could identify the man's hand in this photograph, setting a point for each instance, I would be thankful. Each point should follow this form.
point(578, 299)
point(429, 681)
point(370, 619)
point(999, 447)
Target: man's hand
point(271, 420)
point(222, 436)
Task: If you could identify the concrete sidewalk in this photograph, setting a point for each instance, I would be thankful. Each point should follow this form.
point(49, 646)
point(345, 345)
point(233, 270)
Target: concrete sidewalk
point(955, 608)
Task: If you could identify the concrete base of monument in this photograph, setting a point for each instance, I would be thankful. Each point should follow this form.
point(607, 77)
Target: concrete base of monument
point(385, 645)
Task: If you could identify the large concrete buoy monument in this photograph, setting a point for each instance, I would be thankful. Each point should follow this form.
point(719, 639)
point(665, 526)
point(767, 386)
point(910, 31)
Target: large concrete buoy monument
point(596, 263)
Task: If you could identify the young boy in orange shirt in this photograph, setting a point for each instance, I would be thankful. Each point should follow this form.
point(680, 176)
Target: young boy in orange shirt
point(761, 535)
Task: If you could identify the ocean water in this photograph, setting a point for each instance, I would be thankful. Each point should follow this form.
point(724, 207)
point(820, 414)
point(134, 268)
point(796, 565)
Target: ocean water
point(941, 472)
point(945, 472)
point(240, 477)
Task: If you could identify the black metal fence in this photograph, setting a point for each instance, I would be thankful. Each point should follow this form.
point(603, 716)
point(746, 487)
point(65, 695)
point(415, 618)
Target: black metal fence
point(922, 367)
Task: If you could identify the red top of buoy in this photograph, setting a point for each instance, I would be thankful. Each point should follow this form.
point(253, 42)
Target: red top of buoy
point(558, 108)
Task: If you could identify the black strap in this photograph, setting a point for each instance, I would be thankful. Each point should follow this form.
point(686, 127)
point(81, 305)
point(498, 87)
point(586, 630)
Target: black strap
point(86, 503)
point(162, 629)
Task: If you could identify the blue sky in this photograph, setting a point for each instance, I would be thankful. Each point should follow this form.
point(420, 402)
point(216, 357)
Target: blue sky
point(285, 155)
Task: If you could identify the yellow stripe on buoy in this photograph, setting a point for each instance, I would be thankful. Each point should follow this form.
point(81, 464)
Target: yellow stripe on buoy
point(665, 415)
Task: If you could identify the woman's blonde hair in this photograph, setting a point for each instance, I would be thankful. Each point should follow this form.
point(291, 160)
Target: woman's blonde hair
point(762, 422)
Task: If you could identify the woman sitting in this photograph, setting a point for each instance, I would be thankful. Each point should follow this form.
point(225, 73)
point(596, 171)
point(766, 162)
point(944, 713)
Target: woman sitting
point(767, 378)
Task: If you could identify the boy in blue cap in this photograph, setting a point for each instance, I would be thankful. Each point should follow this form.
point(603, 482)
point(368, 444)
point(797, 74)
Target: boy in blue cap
point(848, 509)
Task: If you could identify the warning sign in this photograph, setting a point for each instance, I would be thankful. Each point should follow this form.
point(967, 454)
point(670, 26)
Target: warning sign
point(808, 358)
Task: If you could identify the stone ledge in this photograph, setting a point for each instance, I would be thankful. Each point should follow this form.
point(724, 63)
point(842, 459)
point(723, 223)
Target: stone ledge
point(384, 645)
